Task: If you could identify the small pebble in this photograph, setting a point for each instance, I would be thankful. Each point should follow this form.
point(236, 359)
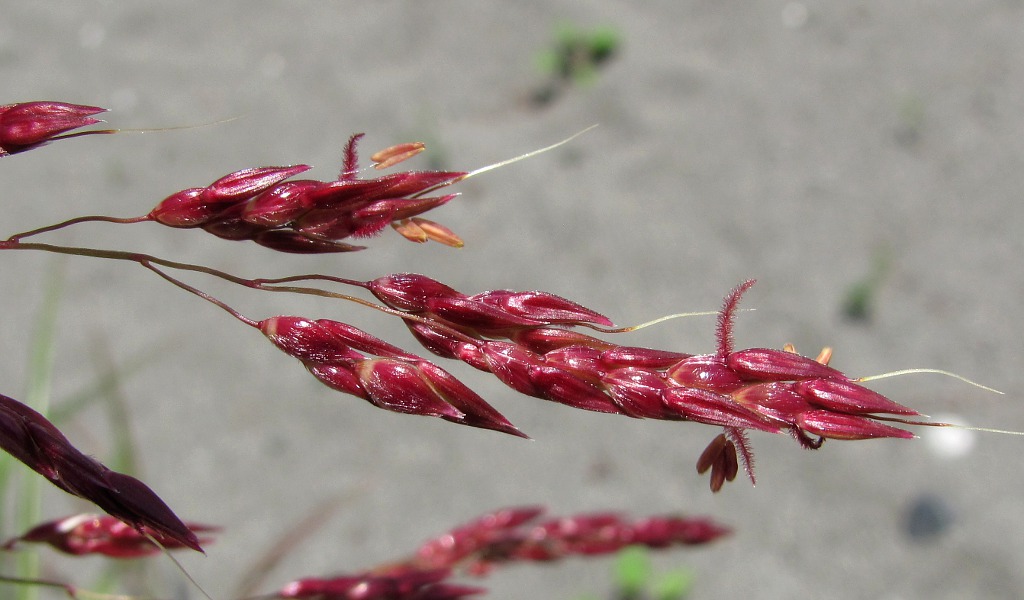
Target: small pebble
point(927, 517)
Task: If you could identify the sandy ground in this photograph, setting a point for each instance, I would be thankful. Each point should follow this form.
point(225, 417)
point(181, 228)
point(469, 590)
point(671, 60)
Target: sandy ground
point(792, 142)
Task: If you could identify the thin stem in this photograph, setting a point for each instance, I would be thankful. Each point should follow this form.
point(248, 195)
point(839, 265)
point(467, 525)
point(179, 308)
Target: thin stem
point(75, 134)
point(86, 219)
point(310, 291)
point(188, 288)
point(136, 257)
point(70, 590)
point(311, 277)
point(264, 284)
point(148, 261)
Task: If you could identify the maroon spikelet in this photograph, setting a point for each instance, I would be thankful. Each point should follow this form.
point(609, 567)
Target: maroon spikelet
point(28, 436)
point(513, 535)
point(102, 534)
point(389, 378)
point(500, 537)
point(408, 585)
point(28, 125)
point(529, 342)
point(312, 217)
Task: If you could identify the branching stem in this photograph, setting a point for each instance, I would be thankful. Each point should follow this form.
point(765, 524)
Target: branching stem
point(72, 592)
point(86, 219)
point(148, 261)
point(193, 290)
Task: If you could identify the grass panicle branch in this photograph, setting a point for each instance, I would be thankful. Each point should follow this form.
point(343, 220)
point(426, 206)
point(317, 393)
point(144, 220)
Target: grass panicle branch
point(530, 341)
point(508, 535)
point(538, 343)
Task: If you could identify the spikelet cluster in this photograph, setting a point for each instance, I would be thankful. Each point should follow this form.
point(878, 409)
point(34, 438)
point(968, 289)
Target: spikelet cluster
point(102, 534)
point(532, 343)
point(350, 360)
point(28, 125)
point(503, 536)
point(308, 216)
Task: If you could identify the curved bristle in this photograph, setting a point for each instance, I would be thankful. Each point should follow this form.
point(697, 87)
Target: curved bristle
point(739, 439)
point(933, 371)
point(350, 166)
point(725, 318)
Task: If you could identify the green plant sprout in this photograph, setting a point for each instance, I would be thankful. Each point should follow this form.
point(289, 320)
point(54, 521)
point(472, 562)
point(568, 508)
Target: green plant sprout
point(859, 300)
point(574, 58)
point(634, 578)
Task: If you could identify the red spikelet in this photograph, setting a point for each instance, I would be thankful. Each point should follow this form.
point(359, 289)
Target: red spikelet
point(28, 125)
point(28, 436)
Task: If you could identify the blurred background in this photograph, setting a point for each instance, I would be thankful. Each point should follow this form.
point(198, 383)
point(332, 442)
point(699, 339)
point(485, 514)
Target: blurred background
point(863, 161)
